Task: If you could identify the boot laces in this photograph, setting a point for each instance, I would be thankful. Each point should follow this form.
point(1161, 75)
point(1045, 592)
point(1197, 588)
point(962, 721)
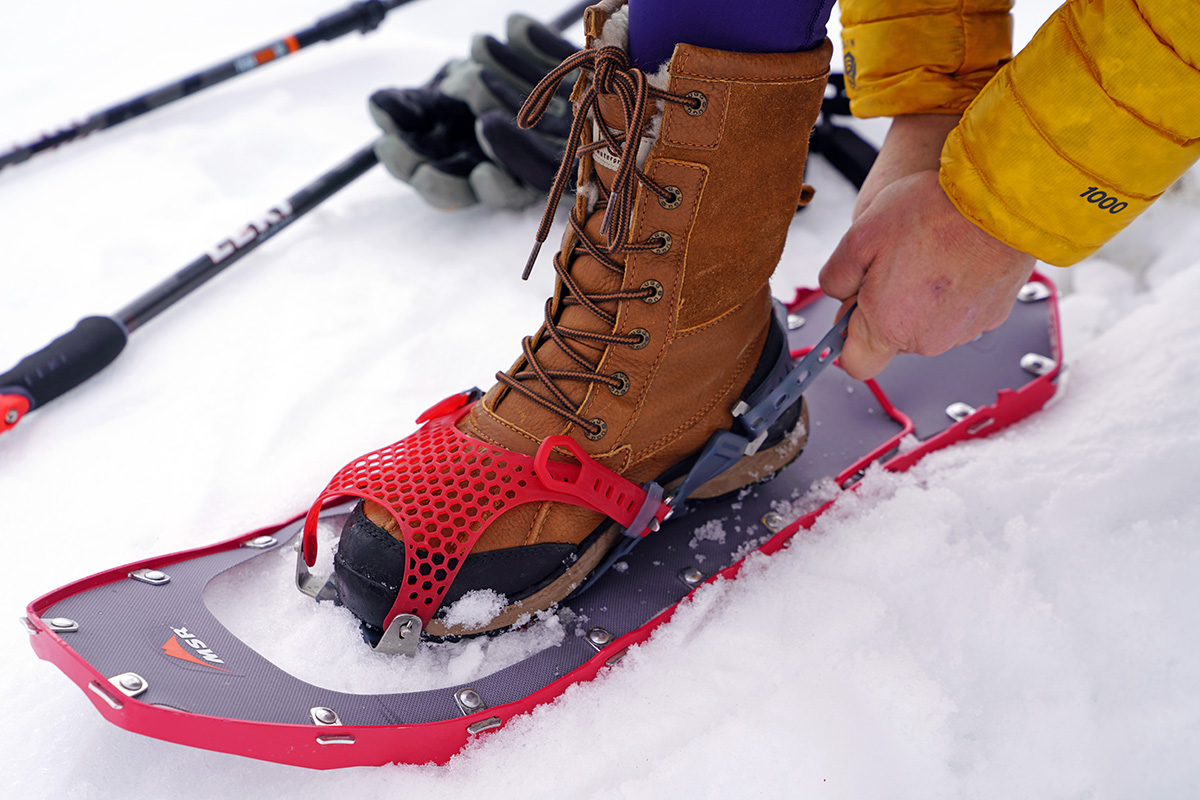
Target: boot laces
point(612, 75)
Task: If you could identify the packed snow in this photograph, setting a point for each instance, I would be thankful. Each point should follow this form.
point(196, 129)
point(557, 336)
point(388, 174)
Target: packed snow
point(475, 609)
point(259, 604)
point(1015, 617)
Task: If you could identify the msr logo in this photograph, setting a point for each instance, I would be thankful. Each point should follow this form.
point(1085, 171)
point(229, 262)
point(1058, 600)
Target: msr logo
point(185, 646)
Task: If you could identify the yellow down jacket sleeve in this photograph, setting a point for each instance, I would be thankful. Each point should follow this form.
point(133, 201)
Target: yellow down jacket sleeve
point(922, 56)
point(1083, 130)
point(1069, 141)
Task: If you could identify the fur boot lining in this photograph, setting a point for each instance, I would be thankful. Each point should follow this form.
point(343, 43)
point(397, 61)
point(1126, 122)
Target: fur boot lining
point(615, 33)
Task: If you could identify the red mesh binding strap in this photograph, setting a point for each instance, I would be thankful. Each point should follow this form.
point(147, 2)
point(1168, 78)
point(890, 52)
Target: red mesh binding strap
point(444, 488)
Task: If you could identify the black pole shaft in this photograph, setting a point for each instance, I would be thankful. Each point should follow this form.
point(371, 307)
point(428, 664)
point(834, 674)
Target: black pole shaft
point(361, 16)
point(96, 341)
point(254, 233)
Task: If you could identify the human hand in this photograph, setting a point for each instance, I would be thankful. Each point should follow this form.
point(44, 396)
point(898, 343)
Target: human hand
point(925, 277)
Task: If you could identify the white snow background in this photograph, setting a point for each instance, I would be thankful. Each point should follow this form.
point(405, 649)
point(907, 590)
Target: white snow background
point(1014, 618)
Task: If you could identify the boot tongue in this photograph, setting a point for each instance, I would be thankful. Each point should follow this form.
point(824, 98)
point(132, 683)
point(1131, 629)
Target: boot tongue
point(612, 115)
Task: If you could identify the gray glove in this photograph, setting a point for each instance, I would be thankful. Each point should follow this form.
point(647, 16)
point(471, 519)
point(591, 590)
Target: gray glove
point(455, 140)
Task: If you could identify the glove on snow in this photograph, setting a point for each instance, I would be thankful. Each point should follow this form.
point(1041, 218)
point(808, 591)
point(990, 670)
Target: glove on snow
point(455, 140)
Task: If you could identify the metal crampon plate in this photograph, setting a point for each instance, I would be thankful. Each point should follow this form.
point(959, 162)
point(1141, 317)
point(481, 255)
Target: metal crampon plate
point(154, 659)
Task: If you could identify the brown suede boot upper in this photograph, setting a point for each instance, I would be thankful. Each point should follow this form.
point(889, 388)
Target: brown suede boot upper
point(670, 358)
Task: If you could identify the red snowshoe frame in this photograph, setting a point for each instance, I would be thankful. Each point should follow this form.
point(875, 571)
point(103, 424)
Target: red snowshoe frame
point(143, 646)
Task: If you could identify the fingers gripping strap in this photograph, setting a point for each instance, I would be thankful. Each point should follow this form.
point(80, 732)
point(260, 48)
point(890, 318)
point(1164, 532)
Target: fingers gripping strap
point(444, 488)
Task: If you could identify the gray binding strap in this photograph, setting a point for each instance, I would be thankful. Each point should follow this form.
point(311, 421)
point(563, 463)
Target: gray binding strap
point(725, 448)
point(757, 419)
point(643, 522)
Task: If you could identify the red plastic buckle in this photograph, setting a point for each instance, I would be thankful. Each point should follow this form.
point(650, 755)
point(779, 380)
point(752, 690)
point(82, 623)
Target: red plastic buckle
point(13, 408)
point(444, 488)
point(593, 483)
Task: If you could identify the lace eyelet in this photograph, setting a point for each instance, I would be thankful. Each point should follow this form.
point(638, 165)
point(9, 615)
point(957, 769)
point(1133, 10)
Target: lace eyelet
point(658, 292)
point(702, 103)
point(643, 338)
point(666, 239)
point(624, 385)
point(598, 434)
point(676, 197)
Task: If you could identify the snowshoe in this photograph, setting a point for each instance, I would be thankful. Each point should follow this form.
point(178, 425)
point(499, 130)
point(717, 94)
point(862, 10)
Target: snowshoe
point(143, 643)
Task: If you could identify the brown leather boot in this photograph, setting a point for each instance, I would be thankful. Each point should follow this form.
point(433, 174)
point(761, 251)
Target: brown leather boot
point(659, 325)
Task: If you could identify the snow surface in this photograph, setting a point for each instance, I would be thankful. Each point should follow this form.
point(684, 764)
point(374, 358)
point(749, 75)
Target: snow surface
point(1015, 617)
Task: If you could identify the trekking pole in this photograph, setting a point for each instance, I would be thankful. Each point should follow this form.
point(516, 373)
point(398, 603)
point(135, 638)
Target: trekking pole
point(96, 341)
point(362, 16)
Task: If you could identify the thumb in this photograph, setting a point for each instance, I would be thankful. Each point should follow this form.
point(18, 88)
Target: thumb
point(866, 353)
point(843, 273)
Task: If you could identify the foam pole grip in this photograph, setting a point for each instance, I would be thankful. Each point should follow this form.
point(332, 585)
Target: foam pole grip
point(64, 363)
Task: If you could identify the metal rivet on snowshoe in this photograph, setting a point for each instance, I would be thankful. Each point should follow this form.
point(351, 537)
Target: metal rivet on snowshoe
point(154, 577)
point(676, 197)
point(485, 725)
point(1037, 364)
point(468, 701)
point(658, 292)
point(602, 425)
point(62, 625)
point(692, 576)
point(622, 387)
point(774, 521)
point(95, 688)
point(700, 106)
point(1033, 292)
point(336, 738)
point(665, 238)
point(959, 411)
point(260, 542)
point(643, 338)
point(324, 716)
point(853, 479)
point(129, 683)
point(795, 321)
point(599, 638)
point(12, 416)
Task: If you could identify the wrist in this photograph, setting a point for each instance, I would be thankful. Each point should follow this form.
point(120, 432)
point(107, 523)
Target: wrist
point(913, 144)
point(920, 137)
